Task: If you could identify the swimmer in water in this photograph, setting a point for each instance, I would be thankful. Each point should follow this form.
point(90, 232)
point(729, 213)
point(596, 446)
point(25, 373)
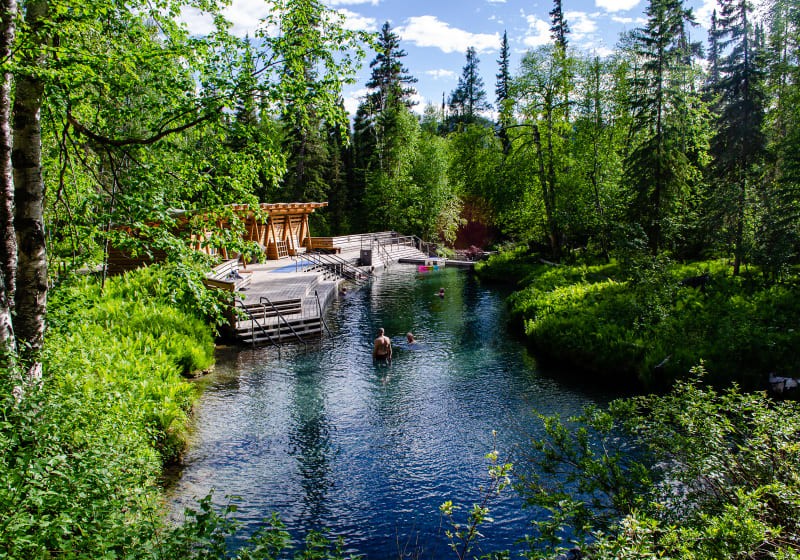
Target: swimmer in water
point(382, 350)
point(410, 339)
point(441, 293)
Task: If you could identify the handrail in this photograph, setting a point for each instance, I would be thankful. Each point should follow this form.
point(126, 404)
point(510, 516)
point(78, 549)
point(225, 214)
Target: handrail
point(254, 321)
point(316, 258)
point(427, 245)
point(280, 316)
point(321, 318)
point(338, 266)
point(384, 254)
point(393, 242)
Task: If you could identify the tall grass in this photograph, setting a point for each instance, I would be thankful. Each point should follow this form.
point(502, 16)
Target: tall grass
point(80, 459)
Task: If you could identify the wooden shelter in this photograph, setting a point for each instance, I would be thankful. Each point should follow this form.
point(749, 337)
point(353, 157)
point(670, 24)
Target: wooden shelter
point(281, 229)
point(284, 233)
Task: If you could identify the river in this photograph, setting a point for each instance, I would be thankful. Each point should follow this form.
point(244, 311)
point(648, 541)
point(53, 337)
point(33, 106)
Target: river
point(325, 438)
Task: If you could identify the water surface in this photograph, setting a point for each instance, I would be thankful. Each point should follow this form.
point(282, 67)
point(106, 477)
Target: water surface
point(325, 438)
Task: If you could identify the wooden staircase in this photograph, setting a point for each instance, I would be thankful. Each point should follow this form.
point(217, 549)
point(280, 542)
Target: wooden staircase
point(275, 319)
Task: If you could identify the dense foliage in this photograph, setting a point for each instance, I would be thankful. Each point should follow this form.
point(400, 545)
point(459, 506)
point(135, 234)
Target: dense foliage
point(635, 321)
point(119, 116)
point(81, 459)
point(81, 456)
point(694, 474)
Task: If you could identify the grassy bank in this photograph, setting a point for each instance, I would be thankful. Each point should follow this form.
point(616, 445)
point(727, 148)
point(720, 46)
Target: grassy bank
point(635, 321)
point(81, 458)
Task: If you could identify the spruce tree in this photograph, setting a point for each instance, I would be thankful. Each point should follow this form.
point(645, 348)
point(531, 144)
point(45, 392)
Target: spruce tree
point(504, 103)
point(389, 91)
point(335, 175)
point(559, 29)
point(657, 169)
point(738, 147)
point(469, 98)
point(390, 80)
point(713, 53)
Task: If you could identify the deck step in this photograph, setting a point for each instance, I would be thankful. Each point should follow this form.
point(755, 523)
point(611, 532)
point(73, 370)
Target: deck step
point(308, 328)
point(244, 328)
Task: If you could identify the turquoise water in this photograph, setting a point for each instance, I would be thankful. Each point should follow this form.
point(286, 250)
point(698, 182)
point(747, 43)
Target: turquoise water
point(325, 438)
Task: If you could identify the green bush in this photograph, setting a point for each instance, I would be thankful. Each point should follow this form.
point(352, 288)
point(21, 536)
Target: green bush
point(695, 474)
point(82, 455)
point(641, 325)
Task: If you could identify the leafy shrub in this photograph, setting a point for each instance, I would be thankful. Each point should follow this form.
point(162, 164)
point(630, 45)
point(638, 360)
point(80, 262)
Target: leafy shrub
point(693, 474)
point(507, 266)
point(80, 458)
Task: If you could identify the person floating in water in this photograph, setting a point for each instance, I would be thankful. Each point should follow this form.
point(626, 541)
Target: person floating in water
point(441, 292)
point(383, 347)
point(344, 291)
point(410, 339)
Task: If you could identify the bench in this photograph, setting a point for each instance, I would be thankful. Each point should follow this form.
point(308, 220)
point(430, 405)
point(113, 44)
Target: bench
point(226, 276)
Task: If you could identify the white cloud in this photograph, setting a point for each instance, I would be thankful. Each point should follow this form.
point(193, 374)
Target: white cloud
point(703, 13)
point(580, 23)
point(357, 22)
point(601, 51)
point(420, 101)
point(629, 20)
point(616, 5)
point(197, 22)
point(439, 74)
point(428, 31)
point(352, 100)
point(349, 2)
point(496, 1)
point(538, 33)
point(245, 15)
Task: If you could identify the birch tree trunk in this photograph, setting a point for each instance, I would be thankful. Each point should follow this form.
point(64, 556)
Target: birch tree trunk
point(26, 157)
point(8, 242)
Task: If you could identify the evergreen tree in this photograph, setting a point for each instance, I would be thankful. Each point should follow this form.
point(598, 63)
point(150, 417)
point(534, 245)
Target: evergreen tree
point(738, 146)
point(504, 104)
point(376, 117)
point(307, 159)
point(657, 170)
point(302, 135)
point(713, 53)
point(364, 147)
point(390, 79)
point(559, 29)
point(469, 98)
point(335, 176)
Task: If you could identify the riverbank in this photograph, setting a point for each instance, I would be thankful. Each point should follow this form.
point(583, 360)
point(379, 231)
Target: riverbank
point(81, 458)
point(645, 325)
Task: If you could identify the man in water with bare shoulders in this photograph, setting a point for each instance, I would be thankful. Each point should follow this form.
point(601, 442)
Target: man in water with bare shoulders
point(383, 347)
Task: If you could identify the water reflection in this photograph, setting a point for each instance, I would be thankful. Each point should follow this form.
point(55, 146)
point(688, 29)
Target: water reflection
point(326, 437)
point(311, 445)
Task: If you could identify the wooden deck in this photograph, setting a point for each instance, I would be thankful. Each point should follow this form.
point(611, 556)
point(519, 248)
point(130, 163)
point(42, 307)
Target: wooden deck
point(297, 292)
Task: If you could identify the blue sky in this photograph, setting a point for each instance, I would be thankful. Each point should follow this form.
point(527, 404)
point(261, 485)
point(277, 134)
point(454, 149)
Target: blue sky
point(436, 33)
